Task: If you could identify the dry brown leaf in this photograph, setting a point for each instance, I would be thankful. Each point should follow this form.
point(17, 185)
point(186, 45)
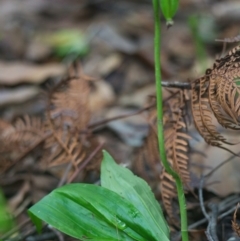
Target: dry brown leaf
point(109, 64)
point(226, 179)
point(12, 73)
point(17, 95)
point(101, 95)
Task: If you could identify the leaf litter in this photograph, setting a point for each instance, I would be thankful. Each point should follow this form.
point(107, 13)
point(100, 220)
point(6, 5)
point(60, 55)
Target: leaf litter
point(115, 79)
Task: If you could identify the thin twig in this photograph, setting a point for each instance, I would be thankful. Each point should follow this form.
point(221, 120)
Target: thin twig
point(209, 237)
point(212, 223)
point(200, 194)
point(65, 175)
point(57, 233)
point(176, 84)
point(105, 121)
point(229, 40)
point(220, 165)
point(15, 229)
point(225, 204)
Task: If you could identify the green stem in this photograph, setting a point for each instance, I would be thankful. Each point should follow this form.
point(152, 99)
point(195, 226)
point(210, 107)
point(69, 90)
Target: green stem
point(179, 185)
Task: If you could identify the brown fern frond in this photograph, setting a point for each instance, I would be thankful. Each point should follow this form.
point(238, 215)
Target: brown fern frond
point(70, 105)
point(218, 93)
point(224, 88)
point(177, 148)
point(218, 112)
point(176, 139)
point(67, 119)
point(168, 191)
point(24, 132)
point(18, 138)
point(203, 116)
point(29, 129)
point(6, 130)
point(176, 144)
point(67, 149)
point(224, 97)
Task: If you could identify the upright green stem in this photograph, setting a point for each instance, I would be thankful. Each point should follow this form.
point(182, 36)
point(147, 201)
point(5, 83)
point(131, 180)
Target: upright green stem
point(179, 185)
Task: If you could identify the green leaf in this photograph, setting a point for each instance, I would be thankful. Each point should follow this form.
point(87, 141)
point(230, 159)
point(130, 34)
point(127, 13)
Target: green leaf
point(136, 190)
point(6, 219)
point(68, 43)
point(87, 211)
point(169, 9)
point(37, 221)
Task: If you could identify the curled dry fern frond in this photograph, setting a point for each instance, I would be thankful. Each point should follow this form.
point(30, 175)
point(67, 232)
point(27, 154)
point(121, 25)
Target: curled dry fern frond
point(168, 190)
point(17, 138)
point(68, 116)
point(218, 93)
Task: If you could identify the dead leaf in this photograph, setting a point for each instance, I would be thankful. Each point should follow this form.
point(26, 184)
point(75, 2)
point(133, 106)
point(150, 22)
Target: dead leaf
point(132, 130)
point(101, 95)
point(139, 97)
point(17, 95)
point(16, 72)
point(224, 180)
point(109, 64)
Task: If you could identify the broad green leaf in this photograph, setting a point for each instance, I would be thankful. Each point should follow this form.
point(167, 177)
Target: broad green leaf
point(122, 181)
point(87, 211)
point(169, 9)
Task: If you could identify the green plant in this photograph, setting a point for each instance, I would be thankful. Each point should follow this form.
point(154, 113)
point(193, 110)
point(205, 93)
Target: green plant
point(6, 219)
point(123, 208)
point(180, 192)
point(69, 43)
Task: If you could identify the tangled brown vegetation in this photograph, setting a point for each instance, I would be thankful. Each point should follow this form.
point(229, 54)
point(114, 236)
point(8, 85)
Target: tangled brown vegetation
point(63, 133)
point(215, 96)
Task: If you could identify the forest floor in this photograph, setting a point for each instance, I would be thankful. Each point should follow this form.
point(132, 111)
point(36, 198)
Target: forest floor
point(111, 44)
